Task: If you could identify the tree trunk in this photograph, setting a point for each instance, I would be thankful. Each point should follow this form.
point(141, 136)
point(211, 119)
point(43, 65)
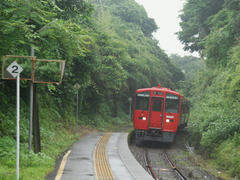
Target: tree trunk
point(36, 126)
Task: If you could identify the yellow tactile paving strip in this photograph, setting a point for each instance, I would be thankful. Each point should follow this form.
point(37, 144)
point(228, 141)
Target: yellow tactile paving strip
point(102, 168)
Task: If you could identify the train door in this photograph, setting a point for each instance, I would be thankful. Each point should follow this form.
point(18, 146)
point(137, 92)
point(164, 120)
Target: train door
point(156, 115)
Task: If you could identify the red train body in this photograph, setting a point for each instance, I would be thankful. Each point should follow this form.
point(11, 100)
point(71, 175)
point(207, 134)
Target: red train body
point(159, 113)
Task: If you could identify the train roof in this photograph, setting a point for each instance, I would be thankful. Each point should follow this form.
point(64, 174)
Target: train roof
point(159, 88)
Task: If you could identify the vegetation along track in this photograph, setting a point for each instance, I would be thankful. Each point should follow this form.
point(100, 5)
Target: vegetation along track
point(164, 161)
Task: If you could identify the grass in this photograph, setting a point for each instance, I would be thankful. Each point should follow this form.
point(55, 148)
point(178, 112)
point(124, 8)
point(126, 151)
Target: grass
point(226, 157)
point(37, 166)
point(210, 165)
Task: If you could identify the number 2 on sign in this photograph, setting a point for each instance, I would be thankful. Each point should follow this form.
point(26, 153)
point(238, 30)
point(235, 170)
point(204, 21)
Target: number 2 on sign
point(15, 69)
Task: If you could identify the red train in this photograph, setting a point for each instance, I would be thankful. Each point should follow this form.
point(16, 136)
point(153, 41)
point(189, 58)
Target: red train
point(158, 114)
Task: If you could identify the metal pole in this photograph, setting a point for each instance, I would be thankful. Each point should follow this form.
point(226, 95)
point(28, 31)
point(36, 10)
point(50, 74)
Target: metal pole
point(77, 109)
point(31, 110)
point(18, 120)
point(130, 109)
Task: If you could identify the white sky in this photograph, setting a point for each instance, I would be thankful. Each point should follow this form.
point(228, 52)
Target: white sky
point(165, 13)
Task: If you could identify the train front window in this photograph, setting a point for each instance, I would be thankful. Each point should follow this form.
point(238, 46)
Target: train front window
point(172, 103)
point(142, 100)
point(157, 104)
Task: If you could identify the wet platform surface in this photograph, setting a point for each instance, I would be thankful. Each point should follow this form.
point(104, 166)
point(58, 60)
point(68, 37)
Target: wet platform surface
point(80, 162)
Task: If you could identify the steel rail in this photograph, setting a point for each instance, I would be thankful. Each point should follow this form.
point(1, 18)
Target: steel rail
point(174, 166)
point(148, 165)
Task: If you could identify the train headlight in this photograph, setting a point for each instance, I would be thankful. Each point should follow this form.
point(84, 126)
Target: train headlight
point(167, 120)
point(144, 118)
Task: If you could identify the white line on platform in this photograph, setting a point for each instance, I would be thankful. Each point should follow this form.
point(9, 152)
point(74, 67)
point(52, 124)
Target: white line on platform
point(61, 168)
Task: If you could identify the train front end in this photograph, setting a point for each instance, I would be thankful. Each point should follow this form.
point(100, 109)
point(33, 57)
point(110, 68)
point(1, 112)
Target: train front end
point(156, 114)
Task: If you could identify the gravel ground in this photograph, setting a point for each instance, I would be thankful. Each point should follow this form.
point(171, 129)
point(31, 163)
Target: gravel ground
point(179, 154)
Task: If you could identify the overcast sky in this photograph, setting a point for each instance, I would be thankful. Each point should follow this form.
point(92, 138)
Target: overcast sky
point(165, 13)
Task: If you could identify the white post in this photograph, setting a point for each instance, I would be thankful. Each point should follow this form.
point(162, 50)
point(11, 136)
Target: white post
point(15, 69)
point(18, 121)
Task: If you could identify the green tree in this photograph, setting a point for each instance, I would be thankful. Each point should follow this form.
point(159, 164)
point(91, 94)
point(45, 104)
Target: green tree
point(194, 24)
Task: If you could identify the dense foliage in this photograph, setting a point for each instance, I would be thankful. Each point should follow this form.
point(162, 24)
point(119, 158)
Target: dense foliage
point(212, 27)
point(109, 52)
point(190, 67)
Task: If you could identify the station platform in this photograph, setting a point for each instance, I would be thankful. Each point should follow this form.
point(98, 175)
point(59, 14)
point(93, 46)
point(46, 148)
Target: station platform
point(101, 156)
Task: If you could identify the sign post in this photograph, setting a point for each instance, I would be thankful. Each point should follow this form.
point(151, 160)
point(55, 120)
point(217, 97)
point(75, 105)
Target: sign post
point(15, 69)
point(18, 121)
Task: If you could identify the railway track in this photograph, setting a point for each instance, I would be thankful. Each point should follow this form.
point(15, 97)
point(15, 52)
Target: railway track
point(166, 162)
point(148, 165)
point(178, 172)
point(167, 171)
